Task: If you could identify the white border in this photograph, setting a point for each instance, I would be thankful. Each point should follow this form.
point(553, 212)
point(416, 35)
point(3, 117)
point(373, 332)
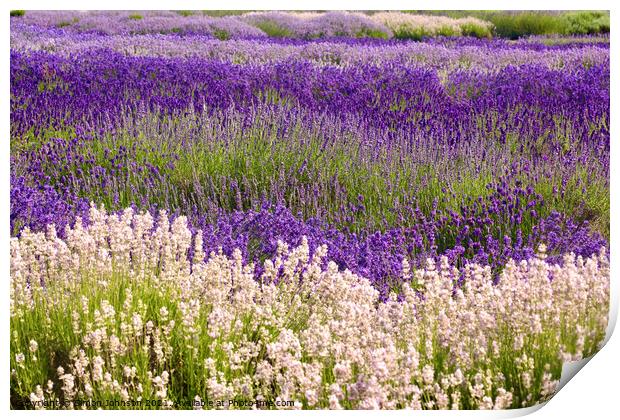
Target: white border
point(592, 394)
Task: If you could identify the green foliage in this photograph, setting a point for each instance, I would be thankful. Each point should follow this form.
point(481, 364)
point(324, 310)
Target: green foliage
point(516, 25)
point(221, 34)
point(185, 13)
point(587, 22)
point(135, 16)
point(272, 29)
point(478, 31)
point(447, 30)
point(417, 33)
point(221, 13)
point(17, 13)
point(32, 140)
point(410, 32)
point(371, 33)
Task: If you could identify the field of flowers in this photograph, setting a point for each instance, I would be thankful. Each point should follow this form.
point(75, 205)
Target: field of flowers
point(303, 210)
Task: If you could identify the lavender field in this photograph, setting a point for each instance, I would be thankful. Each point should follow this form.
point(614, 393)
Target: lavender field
point(303, 210)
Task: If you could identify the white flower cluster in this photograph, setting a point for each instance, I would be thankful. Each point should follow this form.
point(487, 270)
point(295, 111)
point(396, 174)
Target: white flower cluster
point(143, 322)
point(424, 25)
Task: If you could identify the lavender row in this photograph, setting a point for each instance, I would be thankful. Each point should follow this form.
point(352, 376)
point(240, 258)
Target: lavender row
point(145, 22)
point(440, 53)
point(299, 25)
point(377, 256)
point(476, 202)
point(96, 87)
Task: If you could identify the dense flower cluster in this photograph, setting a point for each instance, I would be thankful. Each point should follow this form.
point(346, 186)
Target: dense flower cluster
point(419, 26)
point(134, 318)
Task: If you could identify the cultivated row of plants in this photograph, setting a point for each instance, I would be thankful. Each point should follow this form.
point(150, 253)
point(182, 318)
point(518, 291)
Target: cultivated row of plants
point(516, 24)
point(442, 54)
point(117, 312)
point(313, 25)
